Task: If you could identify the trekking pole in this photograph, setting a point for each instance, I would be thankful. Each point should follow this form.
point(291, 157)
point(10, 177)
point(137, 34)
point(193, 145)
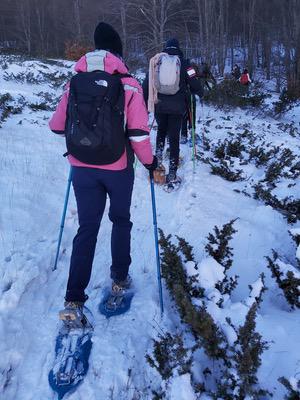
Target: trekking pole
point(156, 243)
point(193, 134)
point(63, 217)
point(152, 124)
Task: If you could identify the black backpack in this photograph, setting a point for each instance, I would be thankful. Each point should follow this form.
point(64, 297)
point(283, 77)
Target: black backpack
point(95, 126)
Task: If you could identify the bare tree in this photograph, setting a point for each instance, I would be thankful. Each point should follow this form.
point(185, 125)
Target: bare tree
point(155, 18)
point(25, 30)
point(40, 13)
point(266, 32)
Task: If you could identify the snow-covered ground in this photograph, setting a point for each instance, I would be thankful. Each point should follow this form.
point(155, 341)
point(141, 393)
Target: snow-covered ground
point(32, 187)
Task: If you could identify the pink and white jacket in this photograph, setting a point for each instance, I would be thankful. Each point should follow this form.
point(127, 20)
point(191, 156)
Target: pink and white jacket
point(135, 109)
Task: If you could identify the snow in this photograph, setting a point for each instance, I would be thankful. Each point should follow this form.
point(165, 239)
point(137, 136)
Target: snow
point(295, 231)
point(294, 383)
point(256, 289)
point(181, 388)
point(285, 268)
point(210, 272)
point(229, 333)
point(191, 268)
point(32, 187)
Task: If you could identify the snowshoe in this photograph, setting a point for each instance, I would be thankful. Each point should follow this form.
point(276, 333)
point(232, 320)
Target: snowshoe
point(159, 175)
point(72, 315)
point(72, 350)
point(183, 140)
point(117, 300)
point(172, 183)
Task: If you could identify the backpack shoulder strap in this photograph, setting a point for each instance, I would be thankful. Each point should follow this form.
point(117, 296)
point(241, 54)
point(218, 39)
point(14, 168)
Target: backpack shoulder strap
point(124, 75)
point(72, 81)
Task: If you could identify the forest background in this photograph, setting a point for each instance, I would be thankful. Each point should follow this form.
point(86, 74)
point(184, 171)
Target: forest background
point(261, 35)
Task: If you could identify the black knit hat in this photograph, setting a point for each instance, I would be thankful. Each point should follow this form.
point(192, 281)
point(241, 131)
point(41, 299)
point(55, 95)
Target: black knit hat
point(173, 43)
point(106, 38)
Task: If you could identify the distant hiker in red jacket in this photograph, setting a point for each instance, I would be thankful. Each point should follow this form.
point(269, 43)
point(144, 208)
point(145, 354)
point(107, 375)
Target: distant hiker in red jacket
point(245, 78)
point(104, 118)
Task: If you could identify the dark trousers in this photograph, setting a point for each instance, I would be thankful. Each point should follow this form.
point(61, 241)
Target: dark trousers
point(187, 118)
point(184, 125)
point(168, 125)
point(91, 187)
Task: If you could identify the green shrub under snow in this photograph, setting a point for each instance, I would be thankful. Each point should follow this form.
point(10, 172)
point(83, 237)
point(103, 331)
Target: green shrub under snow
point(287, 278)
point(229, 362)
point(10, 106)
point(287, 99)
point(292, 386)
point(278, 167)
point(231, 93)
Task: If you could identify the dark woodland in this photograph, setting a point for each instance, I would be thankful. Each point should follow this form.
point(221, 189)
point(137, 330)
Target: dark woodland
point(260, 35)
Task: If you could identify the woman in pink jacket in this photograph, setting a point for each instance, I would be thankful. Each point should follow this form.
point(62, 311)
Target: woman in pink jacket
point(104, 125)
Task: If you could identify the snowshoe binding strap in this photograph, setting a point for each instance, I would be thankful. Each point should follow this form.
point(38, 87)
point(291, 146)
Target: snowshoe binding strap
point(159, 175)
point(172, 185)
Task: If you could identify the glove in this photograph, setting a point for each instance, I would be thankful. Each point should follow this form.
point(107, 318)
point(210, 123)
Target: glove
point(153, 165)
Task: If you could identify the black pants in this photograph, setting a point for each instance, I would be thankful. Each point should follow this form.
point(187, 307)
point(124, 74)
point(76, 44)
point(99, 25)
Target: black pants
point(169, 125)
point(91, 187)
point(187, 118)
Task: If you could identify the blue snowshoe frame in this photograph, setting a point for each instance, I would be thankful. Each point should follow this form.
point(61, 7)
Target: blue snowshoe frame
point(124, 306)
point(72, 351)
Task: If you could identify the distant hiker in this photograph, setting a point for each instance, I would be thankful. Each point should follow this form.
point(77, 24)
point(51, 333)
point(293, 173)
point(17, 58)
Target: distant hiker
point(245, 78)
point(236, 72)
point(165, 91)
point(206, 75)
point(189, 118)
point(104, 119)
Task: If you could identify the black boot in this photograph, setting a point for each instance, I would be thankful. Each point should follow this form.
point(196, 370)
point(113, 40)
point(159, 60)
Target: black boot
point(172, 180)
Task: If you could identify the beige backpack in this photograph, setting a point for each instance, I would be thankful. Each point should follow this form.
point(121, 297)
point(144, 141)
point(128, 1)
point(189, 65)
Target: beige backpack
point(167, 74)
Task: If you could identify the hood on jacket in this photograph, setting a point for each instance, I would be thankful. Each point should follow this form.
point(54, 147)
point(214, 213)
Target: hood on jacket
point(174, 51)
point(101, 60)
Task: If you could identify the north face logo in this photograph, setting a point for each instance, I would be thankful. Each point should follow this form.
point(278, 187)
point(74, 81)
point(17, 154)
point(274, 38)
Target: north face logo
point(85, 141)
point(101, 82)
